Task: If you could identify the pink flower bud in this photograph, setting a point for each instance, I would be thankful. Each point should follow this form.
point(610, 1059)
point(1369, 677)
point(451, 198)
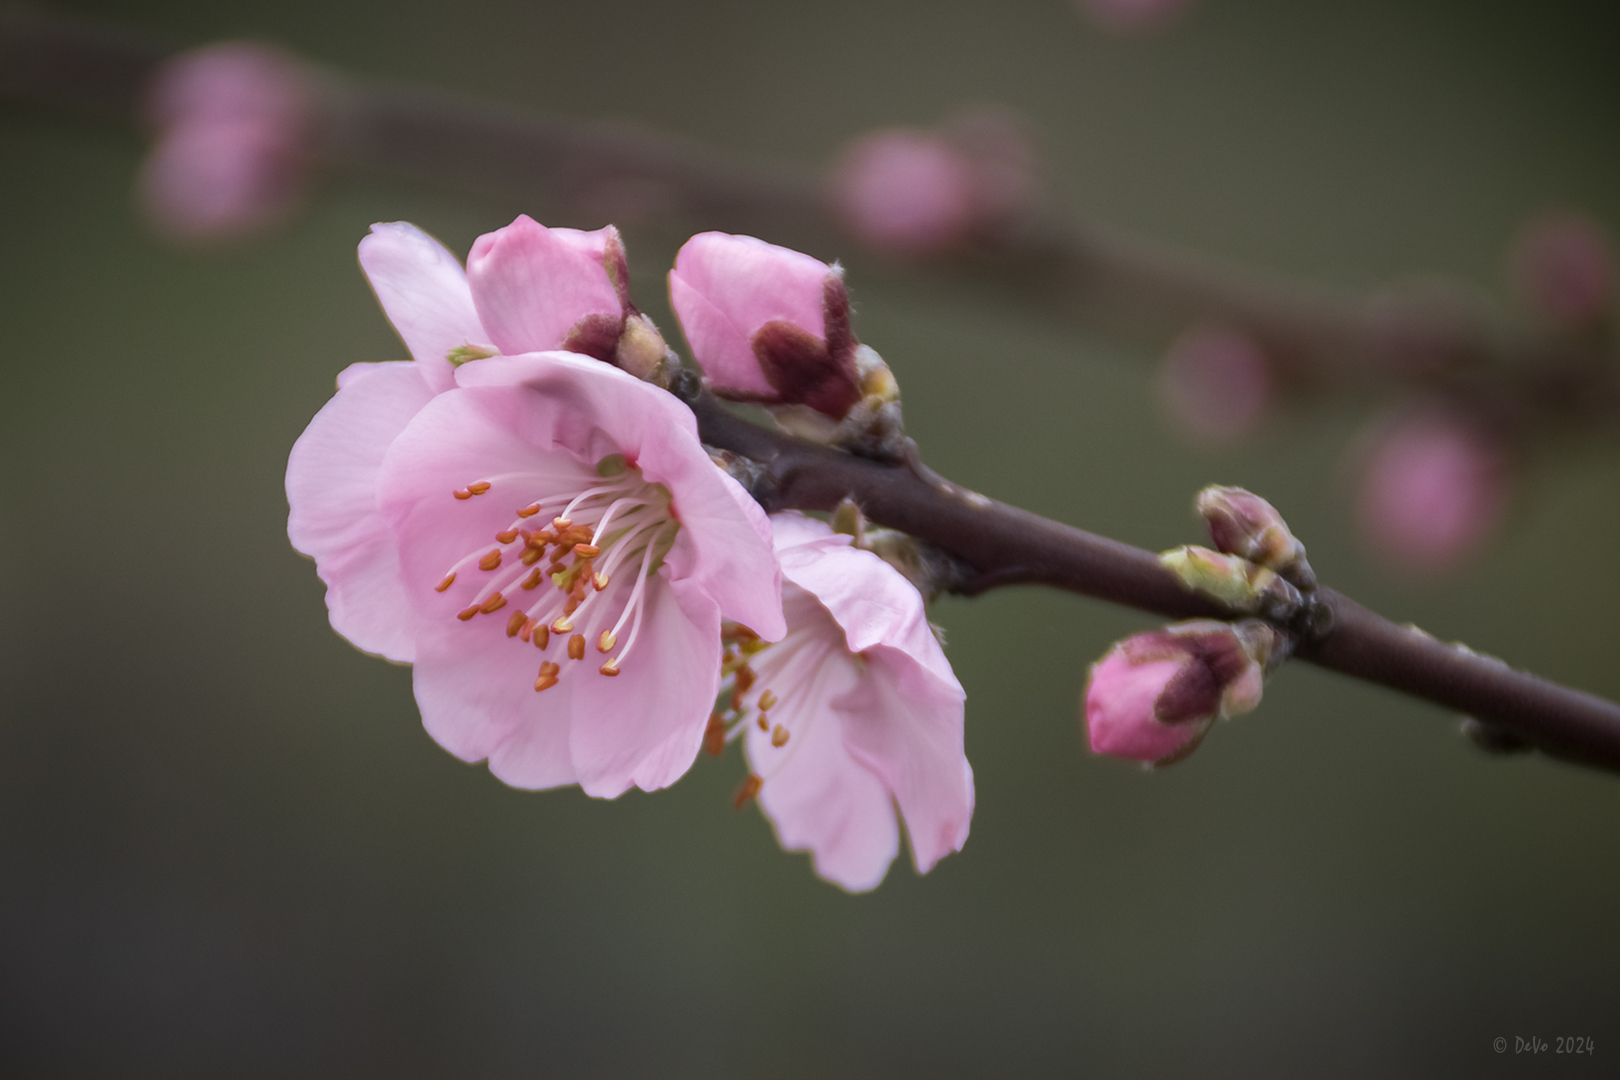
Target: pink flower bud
point(1153, 697)
point(765, 323)
point(538, 289)
point(1132, 16)
point(1433, 487)
point(1215, 384)
point(1561, 265)
point(232, 154)
point(905, 190)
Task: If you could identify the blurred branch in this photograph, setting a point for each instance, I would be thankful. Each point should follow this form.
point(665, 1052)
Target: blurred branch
point(998, 544)
point(1312, 335)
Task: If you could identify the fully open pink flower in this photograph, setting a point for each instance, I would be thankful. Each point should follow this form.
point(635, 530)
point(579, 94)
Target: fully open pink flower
point(466, 516)
point(766, 323)
point(853, 713)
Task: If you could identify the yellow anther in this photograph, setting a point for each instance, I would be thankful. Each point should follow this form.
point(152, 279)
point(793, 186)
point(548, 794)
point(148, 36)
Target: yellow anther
point(529, 511)
point(609, 668)
point(604, 643)
point(587, 551)
point(548, 676)
point(490, 561)
point(767, 700)
point(494, 603)
point(506, 537)
point(561, 625)
point(599, 581)
point(445, 584)
point(779, 736)
point(764, 722)
point(478, 488)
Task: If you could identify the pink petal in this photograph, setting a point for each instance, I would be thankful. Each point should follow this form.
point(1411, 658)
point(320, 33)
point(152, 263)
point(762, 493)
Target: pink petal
point(424, 292)
point(1120, 699)
point(532, 284)
point(644, 726)
point(742, 284)
point(817, 796)
point(332, 494)
point(907, 727)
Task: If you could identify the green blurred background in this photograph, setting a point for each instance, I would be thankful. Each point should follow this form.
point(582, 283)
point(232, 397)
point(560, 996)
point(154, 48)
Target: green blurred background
point(227, 847)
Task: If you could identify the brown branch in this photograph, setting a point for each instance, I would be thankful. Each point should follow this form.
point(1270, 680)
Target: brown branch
point(1316, 336)
point(1002, 545)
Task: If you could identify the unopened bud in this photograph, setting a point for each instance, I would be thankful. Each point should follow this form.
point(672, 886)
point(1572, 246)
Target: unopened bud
point(1155, 695)
point(643, 352)
point(1244, 524)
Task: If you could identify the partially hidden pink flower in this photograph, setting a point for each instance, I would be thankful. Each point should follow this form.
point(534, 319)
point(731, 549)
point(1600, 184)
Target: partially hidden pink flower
point(855, 714)
point(235, 125)
point(766, 324)
point(497, 522)
point(908, 191)
point(1434, 487)
point(1155, 695)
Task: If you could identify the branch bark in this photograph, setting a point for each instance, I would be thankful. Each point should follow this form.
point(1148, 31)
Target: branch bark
point(1003, 545)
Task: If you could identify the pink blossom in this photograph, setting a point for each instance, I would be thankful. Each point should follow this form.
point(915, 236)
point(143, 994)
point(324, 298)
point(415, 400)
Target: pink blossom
point(855, 713)
point(766, 324)
point(467, 515)
point(1560, 263)
point(1155, 695)
point(1215, 385)
point(1433, 488)
point(233, 150)
point(909, 191)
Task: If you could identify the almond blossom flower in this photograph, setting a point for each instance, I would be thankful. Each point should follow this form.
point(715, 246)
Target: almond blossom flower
point(569, 497)
point(853, 714)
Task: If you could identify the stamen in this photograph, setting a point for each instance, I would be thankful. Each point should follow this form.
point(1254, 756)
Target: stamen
point(506, 537)
point(745, 679)
point(764, 722)
point(532, 555)
point(562, 625)
point(609, 668)
point(533, 580)
point(548, 676)
point(468, 613)
point(767, 700)
point(478, 488)
point(779, 737)
point(493, 604)
point(490, 561)
point(714, 736)
point(529, 511)
point(445, 584)
point(516, 623)
point(750, 788)
point(462, 494)
point(599, 580)
point(587, 551)
point(604, 643)
point(542, 637)
point(576, 647)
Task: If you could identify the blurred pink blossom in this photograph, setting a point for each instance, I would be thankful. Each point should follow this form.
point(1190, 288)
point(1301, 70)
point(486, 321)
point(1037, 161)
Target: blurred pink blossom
point(1433, 487)
point(1562, 266)
point(1155, 695)
point(486, 516)
point(766, 323)
point(1132, 16)
point(234, 124)
point(905, 190)
point(1215, 385)
point(854, 715)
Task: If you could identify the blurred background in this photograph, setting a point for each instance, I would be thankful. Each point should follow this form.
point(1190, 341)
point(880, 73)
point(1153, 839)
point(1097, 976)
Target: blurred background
point(228, 848)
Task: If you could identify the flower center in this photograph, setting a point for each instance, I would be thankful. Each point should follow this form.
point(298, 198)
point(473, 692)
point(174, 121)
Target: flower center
point(774, 687)
point(582, 576)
